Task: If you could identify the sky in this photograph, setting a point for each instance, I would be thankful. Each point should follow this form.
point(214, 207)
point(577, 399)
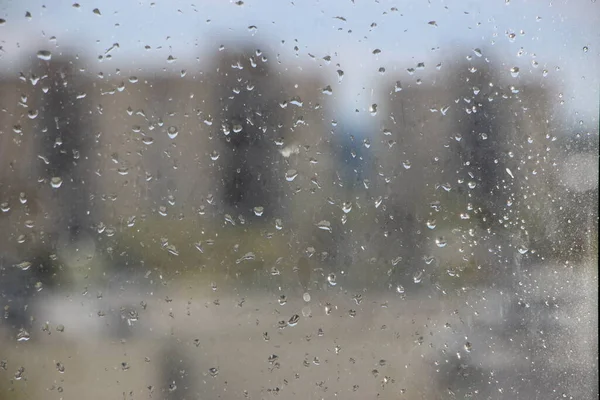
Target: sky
point(560, 36)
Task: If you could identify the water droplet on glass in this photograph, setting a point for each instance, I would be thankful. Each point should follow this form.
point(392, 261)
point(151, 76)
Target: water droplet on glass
point(172, 131)
point(97, 11)
point(324, 225)
point(514, 72)
point(213, 372)
point(56, 182)
point(522, 249)
point(347, 207)
point(282, 300)
point(60, 368)
point(247, 257)
point(23, 335)
point(278, 224)
point(441, 242)
point(306, 297)
point(431, 224)
point(24, 266)
point(258, 211)
point(331, 279)
point(293, 321)
point(44, 55)
point(418, 276)
point(373, 109)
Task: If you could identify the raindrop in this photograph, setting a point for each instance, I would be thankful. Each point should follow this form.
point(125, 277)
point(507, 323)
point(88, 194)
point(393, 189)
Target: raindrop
point(23, 266)
point(514, 72)
point(441, 242)
point(522, 249)
point(56, 182)
point(172, 131)
point(373, 109)
point(213, 371)
point(306, 297)
point(97, 11)
point(258, 211)
point(290, 175)
point(23, 335)
point(347, 207)
point(324, 225)
point(293, 321)
point(331, 278)
point(44, 55)
point(418, 276)
point(278, 224)
point(282, 300)
point(247, 257)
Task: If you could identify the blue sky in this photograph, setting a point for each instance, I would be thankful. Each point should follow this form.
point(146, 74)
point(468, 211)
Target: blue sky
point(553, 33)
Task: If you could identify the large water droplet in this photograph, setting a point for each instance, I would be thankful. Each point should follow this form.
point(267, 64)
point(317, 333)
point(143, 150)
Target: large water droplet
point(258, 211)
point(172, 131)
point(324, 225)
point(56, 182)
point(293, 321)
point(418, 276)
point(44, 55)
point(23, 335)
point(331, 279)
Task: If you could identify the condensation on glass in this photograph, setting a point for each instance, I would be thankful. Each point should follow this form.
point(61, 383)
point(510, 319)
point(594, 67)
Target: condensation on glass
point(299, 200)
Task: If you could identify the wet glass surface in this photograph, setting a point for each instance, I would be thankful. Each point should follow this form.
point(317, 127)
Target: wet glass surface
point(299, 200)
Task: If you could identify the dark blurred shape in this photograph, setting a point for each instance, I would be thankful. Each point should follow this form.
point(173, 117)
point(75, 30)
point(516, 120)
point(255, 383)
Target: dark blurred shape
point(66, 143)
point(483, 142)
point(20, 290)
point(248, 117)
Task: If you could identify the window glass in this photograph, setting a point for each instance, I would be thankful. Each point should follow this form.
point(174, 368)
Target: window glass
point(255, 199)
